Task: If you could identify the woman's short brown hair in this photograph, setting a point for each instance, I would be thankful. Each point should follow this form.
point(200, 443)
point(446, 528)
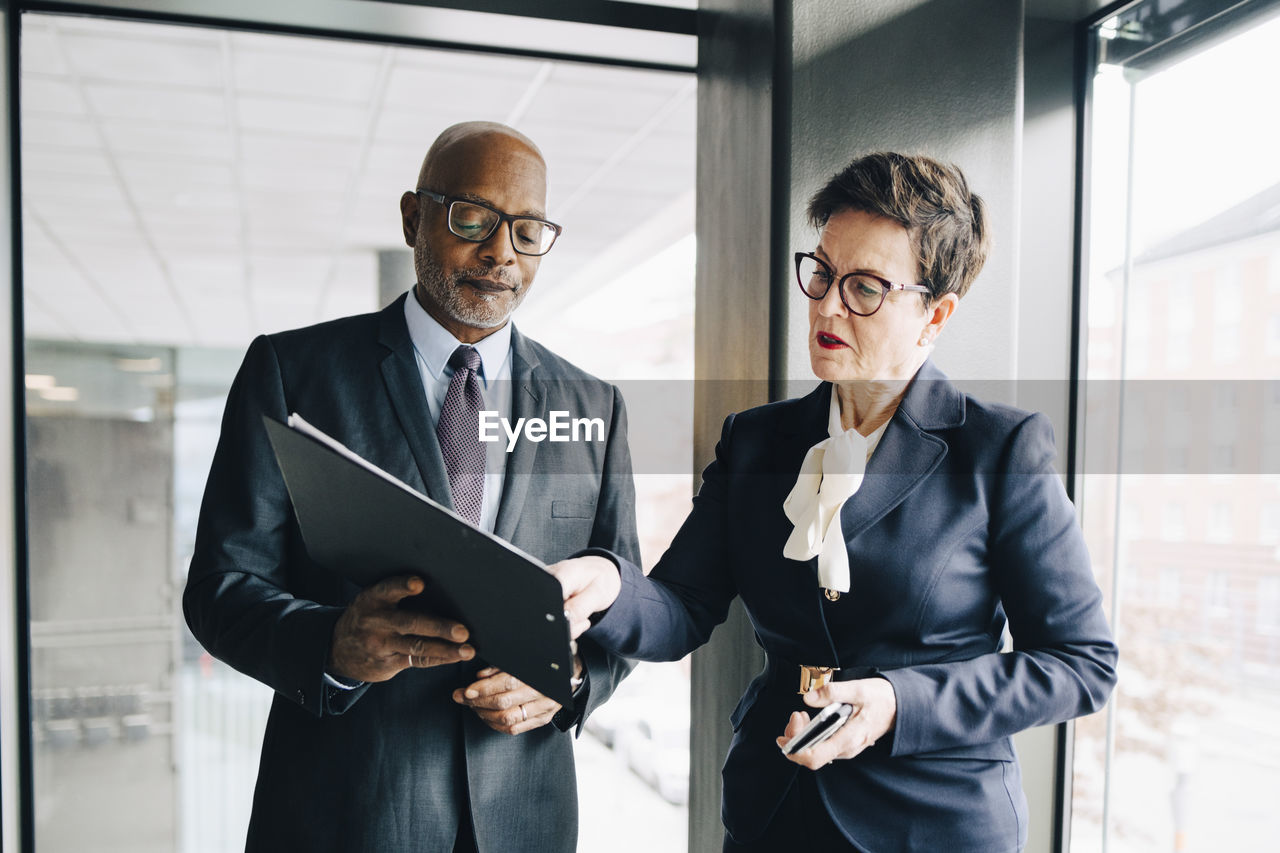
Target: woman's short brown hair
point(947, 223)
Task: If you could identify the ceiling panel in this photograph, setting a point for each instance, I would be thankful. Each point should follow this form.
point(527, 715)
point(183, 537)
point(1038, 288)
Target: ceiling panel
point(281, 273)
point(165, 103)
point(49, 95)
point(161, 319)
point(192, 224)
point(484, 95)
point(208, 271)
point(334, 79)
point(163, 198)
point(289, 235)
point(177, 244)
point(254, 177)
point(416, 126)
point(265, 177)
point(301, 118)
point(185, 62)
point(39, 50)
point(221, 319)
point(66, 163)
point(71, 221)
point(38, 322)
point(300, 151)
point(82, 306)
point(131, 137)
point(61, 131)
point(285, 309)
point(394, 163)
point(52, 187)
point(352, 287)
point(121, 265)
point(173, 171)
point(600, 103)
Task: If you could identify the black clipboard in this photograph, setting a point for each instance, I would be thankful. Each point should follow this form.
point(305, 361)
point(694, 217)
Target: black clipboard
point(364, 524)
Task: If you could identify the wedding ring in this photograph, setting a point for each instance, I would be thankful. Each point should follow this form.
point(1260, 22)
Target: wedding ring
point(411, 661)
point(524, 715)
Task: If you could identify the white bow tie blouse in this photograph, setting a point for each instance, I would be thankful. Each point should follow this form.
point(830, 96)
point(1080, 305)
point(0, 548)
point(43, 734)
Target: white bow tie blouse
point(831, 473)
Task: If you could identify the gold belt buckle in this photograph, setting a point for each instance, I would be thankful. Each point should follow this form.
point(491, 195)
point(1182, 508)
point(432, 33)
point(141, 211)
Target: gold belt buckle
point(814, 677)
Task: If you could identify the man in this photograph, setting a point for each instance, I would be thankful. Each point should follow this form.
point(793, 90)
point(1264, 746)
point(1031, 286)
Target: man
point(385, 733)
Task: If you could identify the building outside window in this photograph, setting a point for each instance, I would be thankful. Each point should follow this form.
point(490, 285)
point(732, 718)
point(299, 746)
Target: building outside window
point(1187, 754)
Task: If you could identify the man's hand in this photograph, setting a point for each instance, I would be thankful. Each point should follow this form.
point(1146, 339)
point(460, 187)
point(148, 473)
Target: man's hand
point(591, 585)
point(875, 710)
point(508, 705)
point(375, 640)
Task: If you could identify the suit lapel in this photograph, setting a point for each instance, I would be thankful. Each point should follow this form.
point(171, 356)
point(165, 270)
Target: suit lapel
point(907, 453)
point(408, 399)
point(805, 425)
point(528, 400)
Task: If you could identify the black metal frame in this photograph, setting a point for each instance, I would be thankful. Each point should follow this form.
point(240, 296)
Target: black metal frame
point(611, 13)
point(21, 590)
point(780, 192)
point(70, 7)
point(618, 14)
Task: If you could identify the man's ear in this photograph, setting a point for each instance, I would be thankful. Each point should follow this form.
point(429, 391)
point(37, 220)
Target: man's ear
point(409, 212)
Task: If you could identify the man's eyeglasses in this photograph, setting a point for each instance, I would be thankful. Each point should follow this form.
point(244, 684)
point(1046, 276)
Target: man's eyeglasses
point(475, 223)
point(861, 292)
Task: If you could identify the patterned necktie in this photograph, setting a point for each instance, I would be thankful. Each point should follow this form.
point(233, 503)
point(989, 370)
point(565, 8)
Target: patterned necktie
point(459, 434)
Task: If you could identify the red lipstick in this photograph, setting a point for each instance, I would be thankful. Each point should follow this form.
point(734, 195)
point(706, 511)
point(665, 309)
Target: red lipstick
point(826, 340)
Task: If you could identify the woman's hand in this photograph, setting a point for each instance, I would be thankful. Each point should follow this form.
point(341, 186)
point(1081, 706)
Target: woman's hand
point(590, 584)
point(875, 709)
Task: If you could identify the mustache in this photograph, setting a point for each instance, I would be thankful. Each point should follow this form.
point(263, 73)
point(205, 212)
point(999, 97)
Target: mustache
point(498, 275)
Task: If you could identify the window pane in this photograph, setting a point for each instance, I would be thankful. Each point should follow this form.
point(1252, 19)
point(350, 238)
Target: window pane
point(188, 188)
point(1181, 465)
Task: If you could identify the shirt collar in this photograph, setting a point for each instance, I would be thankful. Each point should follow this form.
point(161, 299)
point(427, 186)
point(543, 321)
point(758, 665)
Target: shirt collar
point(434, 343)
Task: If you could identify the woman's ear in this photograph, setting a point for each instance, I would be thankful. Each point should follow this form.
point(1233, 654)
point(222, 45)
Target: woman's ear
point(939, 312)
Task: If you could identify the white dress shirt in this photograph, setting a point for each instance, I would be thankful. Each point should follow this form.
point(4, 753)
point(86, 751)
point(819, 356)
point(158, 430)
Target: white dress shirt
point(432, 346)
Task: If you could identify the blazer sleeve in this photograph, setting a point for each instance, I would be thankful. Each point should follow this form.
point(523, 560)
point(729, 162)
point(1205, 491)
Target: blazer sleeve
point(613, 532)
point(237, 600)
point(672, 611)
point(1063, 662)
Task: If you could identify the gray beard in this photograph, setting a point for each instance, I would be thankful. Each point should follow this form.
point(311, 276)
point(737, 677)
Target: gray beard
point(446, 291)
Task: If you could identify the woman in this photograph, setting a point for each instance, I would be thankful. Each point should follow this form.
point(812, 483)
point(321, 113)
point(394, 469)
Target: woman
point(881, 531)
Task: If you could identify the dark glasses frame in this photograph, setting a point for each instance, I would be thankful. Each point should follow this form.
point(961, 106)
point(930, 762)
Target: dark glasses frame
point(886, 287)
point(511, 219)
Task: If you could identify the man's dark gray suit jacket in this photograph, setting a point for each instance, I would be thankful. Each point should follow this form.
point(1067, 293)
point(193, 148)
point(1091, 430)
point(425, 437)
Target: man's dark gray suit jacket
point(960, 527)
point(388, 767)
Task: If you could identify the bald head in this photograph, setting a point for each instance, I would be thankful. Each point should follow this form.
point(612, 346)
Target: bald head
point(469, 138)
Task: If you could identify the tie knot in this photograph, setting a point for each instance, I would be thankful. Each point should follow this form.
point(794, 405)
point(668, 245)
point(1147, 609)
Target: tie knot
point(465, 356)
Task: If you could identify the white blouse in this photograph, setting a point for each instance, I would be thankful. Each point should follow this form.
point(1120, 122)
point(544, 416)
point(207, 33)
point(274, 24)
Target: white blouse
point(831, 473)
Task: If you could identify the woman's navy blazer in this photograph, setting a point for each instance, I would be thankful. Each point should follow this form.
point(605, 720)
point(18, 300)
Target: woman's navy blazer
point(961, 527)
